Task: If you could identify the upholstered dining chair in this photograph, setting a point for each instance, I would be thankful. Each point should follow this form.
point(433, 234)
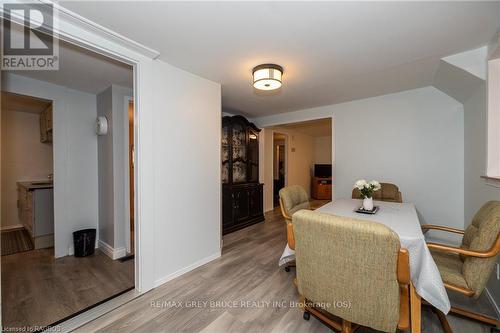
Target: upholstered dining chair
point(388, 192)
point(292, 199)
point(466, 269)
point(353, 269)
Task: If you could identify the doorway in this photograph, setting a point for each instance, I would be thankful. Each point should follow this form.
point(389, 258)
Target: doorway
point(279, 165)
point(307, 160)
point(85, 121)
point(27, 174)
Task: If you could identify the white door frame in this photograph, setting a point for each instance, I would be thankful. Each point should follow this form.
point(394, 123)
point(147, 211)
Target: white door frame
point(73, 28)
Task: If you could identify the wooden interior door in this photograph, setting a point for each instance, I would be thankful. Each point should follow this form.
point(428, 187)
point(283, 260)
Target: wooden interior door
point(131, 171)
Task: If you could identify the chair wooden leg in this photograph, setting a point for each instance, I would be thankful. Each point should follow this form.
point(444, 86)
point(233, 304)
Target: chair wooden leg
point(442, 319)
point(346, 326)
point(318, 314)
point(415, 310)
point(475, 316)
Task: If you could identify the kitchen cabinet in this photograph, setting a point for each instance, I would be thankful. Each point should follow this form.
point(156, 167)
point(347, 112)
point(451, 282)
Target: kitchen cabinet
point(46, 125)
point(35, 206)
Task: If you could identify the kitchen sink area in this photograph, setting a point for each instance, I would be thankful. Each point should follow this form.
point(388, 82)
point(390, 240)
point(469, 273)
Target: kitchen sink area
point(42, 182)
point(35, 203)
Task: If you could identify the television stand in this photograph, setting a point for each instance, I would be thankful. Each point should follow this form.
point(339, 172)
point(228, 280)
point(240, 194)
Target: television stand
point(321, 188)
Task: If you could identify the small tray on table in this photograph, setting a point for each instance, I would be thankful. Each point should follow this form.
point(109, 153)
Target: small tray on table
point(361, 210)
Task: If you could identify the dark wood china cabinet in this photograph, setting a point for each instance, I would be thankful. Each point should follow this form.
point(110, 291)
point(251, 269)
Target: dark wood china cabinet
point(241, 191)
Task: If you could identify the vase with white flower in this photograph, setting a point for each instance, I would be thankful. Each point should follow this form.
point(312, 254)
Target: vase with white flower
point(366, 189)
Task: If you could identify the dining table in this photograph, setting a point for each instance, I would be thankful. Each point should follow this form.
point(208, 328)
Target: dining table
point(403, 219)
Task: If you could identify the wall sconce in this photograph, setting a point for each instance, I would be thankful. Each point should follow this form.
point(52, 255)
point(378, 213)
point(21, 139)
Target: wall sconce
point(101, 126)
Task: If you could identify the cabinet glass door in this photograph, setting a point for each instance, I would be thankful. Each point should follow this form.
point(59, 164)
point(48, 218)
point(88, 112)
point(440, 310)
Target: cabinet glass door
point(225, 154)
point(253, 156)
point(239, 153)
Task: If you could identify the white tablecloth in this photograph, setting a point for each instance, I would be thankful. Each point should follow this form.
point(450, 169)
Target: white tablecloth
point(403, 219)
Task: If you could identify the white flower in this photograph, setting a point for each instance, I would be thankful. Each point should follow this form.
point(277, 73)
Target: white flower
point(360, 184)
point(376, 185)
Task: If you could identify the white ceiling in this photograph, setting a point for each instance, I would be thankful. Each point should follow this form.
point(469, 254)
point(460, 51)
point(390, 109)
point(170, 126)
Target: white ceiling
point(84, 70)
point(332, 52)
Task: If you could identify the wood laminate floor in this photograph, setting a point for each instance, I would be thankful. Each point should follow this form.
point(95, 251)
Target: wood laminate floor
point(38, 290)
point(246, 290)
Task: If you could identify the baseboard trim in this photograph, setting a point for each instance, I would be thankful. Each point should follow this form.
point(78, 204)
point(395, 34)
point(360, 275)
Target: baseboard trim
point(113, 253)
point(492, 301)
point(44, 242)
point(11, 227)
point(184, 270)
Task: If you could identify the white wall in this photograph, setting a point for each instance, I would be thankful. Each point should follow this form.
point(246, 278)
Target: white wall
point(177, 158)
point(473, 94)
point(121, 163)
point(323, 150)
point(414, 139)
point(177, 166)
point(113, 169)
point(105, 171)
point(75, 156)
point(477, 190)
point(186, 136)
point(24, 158)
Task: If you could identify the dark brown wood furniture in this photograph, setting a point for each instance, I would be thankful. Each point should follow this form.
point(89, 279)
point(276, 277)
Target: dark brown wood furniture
point(242, 194)
point(321, 188)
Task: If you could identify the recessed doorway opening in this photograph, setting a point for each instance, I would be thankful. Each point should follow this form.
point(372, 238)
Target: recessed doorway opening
point(61, 175)
point(301, 154)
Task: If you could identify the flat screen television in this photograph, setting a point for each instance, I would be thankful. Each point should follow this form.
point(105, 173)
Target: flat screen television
point(323, 170)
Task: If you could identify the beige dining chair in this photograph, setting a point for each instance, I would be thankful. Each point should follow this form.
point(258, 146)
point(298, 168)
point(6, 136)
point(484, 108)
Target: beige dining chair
point(292, 199)
point(388, 192)
point(352, 269)
point(466, 269)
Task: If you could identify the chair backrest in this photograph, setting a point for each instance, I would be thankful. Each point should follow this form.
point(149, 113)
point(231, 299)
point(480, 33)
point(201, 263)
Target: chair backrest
point(388, 192)
point(480, 236)
point(350, 266)
point(294, 198)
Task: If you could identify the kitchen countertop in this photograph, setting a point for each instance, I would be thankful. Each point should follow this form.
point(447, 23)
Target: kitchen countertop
point(34, 186)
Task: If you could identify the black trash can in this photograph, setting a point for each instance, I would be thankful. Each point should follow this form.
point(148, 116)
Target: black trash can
point(84, 242)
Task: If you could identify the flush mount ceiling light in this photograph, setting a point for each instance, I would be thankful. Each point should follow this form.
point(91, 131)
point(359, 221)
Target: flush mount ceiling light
point(267, 76)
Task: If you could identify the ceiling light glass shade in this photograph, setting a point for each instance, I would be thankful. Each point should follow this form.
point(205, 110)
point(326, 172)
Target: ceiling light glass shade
point(267, 77)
